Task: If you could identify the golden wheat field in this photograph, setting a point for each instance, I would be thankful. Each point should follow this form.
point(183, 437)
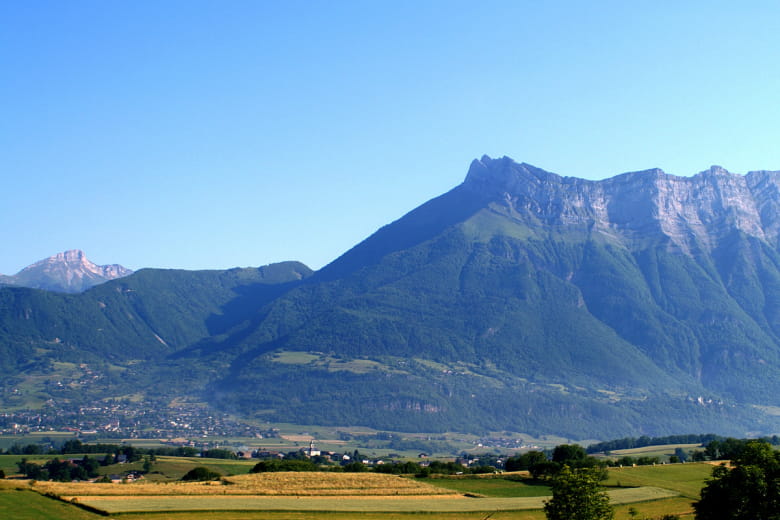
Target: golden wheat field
point(273, 484)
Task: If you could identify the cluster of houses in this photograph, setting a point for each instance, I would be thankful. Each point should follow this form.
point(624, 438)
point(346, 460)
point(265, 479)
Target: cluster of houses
point(129, 420)
point(343, 458)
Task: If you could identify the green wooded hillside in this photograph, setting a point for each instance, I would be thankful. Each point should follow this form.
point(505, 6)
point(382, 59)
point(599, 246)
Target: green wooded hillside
point(507, 303)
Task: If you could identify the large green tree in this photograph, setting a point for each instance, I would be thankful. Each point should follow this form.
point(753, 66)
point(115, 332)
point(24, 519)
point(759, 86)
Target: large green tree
point(525, 461)
point(749, 490)
point(570, 454)
point(576, 495)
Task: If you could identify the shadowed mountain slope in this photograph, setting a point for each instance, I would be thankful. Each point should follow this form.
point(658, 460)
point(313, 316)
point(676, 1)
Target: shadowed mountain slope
point(144, 316)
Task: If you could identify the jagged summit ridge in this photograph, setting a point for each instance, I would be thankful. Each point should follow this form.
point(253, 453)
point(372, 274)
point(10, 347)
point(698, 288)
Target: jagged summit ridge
point(694, 212)
point(79, 265)
point(69, 271)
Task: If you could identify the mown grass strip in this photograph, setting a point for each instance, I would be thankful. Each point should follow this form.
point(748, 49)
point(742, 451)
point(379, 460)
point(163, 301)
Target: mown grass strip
point(114, 505)
point(26, 505)
point(493, 487)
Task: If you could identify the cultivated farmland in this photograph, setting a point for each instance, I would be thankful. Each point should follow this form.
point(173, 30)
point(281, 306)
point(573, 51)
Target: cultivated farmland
point(653, 491)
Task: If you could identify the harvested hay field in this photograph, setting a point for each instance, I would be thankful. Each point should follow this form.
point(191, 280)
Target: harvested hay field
point(262, 484)
point(308, 484)
point(137, 504)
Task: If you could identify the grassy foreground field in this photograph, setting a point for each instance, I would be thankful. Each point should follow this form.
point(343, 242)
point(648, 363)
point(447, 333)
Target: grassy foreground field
point(652, 491)
point(28, 505)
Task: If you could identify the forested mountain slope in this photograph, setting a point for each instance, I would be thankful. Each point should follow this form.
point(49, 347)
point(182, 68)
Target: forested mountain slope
point(144, 316)
point(520, 300)
point(645, 301)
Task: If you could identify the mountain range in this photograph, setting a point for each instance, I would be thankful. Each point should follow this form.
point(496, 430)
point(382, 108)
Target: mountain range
point(520, 300)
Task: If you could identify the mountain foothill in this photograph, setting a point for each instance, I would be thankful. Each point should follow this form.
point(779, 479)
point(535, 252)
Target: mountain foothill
point(520, 300)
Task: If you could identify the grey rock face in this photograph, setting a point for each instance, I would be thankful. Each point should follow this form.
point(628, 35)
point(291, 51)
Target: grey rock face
point(693, 212)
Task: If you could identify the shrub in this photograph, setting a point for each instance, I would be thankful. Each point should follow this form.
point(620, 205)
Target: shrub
point(283, 465)
point(200, 474)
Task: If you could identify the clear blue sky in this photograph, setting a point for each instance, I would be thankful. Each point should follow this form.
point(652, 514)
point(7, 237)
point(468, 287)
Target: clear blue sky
point(227, 133)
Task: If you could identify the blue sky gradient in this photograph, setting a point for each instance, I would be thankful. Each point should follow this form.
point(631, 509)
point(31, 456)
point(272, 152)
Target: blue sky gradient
point(198, 135)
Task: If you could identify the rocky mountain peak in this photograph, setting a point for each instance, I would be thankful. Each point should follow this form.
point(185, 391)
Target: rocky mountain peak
point(717, 170)
point(73, 255)
point(69, 271)
point(495, 176)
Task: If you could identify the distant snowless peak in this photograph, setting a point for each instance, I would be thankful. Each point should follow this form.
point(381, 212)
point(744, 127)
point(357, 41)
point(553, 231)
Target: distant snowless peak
point(69, 271)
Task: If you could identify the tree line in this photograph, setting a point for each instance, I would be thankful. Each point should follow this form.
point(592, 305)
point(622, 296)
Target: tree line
point(131, 453)
point(627, 443)
point(60, 470)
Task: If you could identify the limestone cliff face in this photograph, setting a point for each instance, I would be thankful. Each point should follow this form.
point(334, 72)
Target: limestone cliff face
point(694, 213)
point(69, 271)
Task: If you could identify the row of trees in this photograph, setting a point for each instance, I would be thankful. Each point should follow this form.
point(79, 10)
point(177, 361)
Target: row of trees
point(61, 470)
point(627, 443)
point(79, 469)
point(729, 448)
point(540, 466)
point(131, 453)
